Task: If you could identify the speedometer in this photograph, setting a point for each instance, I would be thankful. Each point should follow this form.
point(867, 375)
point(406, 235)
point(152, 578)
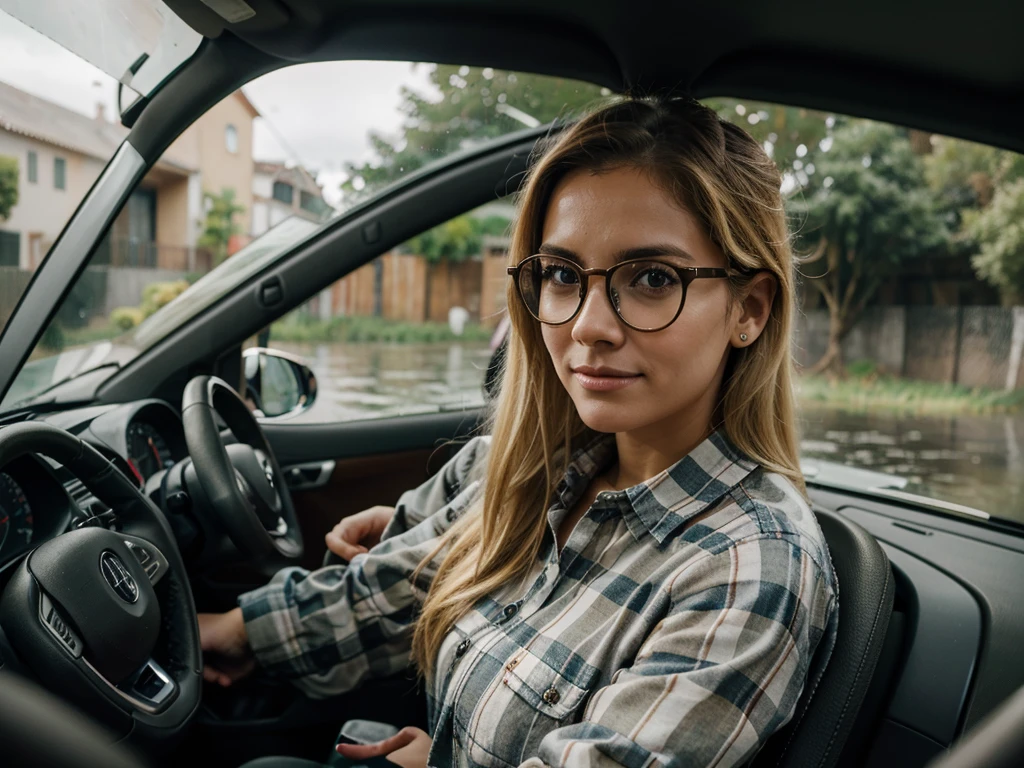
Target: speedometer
point(148, 452)
point(15, 516)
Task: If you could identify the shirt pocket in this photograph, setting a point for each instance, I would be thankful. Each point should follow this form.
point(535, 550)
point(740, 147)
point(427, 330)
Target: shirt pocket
point(526, 702)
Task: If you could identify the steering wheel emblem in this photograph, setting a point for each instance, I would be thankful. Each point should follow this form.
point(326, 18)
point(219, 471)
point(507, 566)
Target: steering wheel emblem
point(117, 576)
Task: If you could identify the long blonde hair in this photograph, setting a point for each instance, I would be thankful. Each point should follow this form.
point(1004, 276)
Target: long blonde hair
point(723, 177)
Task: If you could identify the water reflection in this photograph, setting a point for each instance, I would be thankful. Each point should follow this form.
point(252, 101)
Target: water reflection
point(361, 381)
point(970, 460)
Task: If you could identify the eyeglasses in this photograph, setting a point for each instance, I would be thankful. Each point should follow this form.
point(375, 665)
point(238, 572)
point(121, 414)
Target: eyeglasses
point(647, 295)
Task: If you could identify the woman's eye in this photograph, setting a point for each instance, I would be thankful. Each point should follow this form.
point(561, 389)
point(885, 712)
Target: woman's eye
point(655, 279)
point(559, 276)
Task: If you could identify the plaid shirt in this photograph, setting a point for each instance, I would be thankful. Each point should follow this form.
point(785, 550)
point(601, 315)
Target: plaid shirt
point(677, 625)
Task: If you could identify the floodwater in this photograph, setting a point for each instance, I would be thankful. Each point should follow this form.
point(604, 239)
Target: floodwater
point(971, 460)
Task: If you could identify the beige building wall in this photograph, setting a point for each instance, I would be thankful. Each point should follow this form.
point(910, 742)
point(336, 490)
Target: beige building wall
point(220, 168)
point(42, 209)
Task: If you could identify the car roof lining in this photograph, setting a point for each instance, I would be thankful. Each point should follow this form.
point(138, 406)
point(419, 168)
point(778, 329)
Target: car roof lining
point(937, 67)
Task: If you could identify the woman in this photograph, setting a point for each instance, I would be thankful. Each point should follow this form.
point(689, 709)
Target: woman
point(626, 570)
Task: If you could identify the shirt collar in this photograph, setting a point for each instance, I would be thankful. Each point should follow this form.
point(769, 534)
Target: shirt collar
point(672, 497)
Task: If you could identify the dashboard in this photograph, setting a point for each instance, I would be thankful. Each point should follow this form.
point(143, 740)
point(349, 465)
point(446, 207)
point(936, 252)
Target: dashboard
point(39, 499)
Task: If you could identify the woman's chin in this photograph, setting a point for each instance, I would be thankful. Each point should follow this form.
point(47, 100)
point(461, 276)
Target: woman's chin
point(604, 417)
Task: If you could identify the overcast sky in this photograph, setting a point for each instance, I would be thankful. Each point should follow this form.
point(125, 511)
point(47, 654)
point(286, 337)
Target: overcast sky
point(315, 114)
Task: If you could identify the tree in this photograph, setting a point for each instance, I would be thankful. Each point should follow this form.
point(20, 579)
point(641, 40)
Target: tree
point(865, 211)
point(8, 186)
point(470, 104)
point(998, 231)
point(789, 134)
point(220, 225)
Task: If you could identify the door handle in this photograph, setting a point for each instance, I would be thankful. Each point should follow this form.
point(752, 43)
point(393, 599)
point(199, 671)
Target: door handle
point(305, 477)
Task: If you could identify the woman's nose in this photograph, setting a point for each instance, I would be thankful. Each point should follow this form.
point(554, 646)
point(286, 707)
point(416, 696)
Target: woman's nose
point(597, 320)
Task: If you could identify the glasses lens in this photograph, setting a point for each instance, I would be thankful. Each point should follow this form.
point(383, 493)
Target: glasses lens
point(550, 287)
point(647, 294)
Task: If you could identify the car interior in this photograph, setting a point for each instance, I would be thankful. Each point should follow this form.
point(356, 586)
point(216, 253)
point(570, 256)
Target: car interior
point(927, 664)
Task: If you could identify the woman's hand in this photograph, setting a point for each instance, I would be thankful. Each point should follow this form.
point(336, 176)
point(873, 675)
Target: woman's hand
point(408, 748)
point(357, 533)
point(227, 656)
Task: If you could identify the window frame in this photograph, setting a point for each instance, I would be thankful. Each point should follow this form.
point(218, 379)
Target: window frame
point(32, 167)
point(283, 185)
point(60, 174)
point(231, 138)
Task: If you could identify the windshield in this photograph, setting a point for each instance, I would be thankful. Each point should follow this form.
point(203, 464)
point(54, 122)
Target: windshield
point(257, 175)
point(57, 132)
point(138, 42)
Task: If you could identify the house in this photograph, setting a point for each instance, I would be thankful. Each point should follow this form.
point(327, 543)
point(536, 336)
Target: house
point(280, 191)
point(60, 153)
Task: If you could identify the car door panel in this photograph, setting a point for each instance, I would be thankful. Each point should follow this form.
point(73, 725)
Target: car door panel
point(343, 468)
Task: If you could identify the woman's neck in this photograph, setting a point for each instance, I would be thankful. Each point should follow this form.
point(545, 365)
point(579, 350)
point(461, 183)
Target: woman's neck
point(642, 454)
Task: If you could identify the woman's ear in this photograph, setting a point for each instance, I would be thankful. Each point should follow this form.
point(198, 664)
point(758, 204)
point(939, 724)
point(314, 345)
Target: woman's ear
point(755, 308)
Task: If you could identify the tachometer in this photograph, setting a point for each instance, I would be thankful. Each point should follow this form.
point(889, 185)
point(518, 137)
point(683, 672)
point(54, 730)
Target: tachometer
point(15, 516)
point(147, 450)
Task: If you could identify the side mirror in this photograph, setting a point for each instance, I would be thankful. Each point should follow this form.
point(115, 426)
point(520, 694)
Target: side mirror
point(277, 384)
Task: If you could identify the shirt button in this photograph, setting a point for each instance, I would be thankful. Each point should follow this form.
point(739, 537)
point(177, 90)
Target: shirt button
point(551, 696)
point(510, 611)
point(460, 651)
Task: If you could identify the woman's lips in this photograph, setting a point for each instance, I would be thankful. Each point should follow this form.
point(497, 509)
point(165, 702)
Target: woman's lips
point(604, 383)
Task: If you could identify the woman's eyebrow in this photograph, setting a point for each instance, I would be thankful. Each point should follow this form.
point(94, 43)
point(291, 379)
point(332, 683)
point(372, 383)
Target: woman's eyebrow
point(654, 251)
point(641, 252)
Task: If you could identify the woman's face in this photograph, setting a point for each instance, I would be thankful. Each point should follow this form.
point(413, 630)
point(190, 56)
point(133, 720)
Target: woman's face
point(665, 382)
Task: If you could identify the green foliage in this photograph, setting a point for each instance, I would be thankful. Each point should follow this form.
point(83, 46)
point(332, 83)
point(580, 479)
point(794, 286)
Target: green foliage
point(53, 337)
point(456, 240)
point(871, 392)
point(783, 130)
point(863, 213)
point(964, 176)
point(126, 318)
point(358, 329)
point(220, 224)
point(999, 233)
point(471, 104)
point(8, 185)
point(157, 295)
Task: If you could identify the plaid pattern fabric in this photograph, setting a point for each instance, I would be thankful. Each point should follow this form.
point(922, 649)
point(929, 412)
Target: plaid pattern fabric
point(677, 625)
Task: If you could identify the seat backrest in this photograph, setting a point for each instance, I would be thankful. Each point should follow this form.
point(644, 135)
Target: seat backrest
point(828, 706)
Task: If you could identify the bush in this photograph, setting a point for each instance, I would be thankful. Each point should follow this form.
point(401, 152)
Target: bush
point(53, 337)
point(356, 330)
point(157, 295)
point(126, 318)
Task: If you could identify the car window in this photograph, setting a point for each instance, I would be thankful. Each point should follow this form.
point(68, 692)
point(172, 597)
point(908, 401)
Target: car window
point(908, 341)
point(58, 130)
point(258, 174)
point(911, 326)
point(410, 332)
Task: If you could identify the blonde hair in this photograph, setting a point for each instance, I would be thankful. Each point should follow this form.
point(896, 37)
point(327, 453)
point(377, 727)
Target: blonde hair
point(723, 177)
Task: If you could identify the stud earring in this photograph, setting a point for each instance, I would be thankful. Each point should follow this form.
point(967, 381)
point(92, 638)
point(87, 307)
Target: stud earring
point(743, 337)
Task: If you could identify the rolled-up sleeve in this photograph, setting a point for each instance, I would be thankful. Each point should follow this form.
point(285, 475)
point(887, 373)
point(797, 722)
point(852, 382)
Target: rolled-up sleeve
point(720, 673)
point(329, 630)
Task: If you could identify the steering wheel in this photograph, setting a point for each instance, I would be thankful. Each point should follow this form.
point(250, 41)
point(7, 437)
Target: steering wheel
point(242, 482)
point(105, 618)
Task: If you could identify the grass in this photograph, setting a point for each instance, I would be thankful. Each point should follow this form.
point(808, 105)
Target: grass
point(369, 329)
point(861, 391)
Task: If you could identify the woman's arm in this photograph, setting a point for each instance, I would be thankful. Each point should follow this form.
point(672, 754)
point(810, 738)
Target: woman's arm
point(329, 629)
point(719, 674)
point(463, 469)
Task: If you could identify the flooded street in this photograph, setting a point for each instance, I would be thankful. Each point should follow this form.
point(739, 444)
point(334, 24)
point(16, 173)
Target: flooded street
point(971, 460)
